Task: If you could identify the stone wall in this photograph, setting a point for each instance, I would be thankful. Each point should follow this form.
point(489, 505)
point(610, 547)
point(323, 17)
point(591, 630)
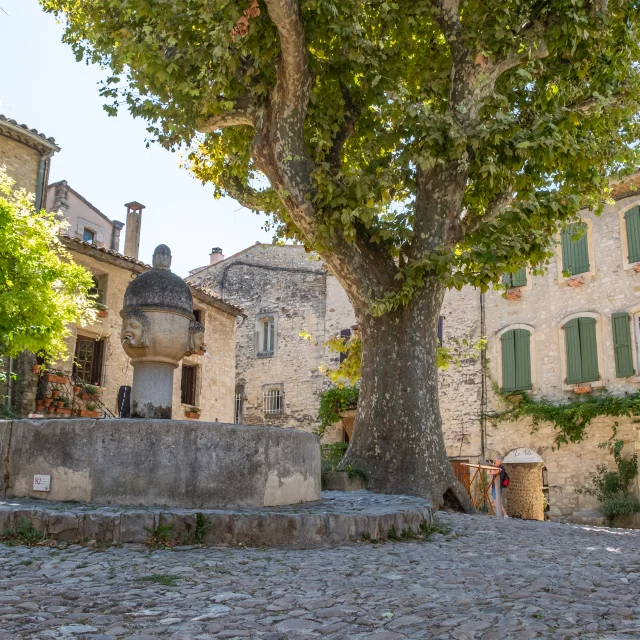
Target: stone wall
point(22, 163)
point(215, 389)
point(294, 286)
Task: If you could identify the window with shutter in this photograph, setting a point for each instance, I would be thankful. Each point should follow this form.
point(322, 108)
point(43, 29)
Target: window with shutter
point(632, 222)
point(517, 279)
point(516, 360)
point(622, 344)
point(266, 329)
point(581, 348)
point(575, 250)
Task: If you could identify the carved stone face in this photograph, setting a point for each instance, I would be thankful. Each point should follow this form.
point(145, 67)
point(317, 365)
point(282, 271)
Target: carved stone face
point(196, 337)
point(134, 330)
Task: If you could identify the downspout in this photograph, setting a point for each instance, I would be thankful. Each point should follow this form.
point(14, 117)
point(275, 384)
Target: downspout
point(483, 377)
point(40, 186)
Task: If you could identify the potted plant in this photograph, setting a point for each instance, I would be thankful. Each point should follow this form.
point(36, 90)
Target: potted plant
point(91, 410)
point(513, 294)
point(193, 413)
point(582, 389)
point(576, 281)
point(47, 401)
point(55, 393)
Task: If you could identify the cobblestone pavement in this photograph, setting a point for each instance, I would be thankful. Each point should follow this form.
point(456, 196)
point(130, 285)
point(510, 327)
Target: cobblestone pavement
point(488, 578)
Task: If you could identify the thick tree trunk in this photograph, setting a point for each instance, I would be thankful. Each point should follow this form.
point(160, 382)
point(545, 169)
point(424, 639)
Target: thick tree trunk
point(397, 439)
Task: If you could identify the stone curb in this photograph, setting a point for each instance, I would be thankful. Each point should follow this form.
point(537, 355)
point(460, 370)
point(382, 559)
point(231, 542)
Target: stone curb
point(327, 522)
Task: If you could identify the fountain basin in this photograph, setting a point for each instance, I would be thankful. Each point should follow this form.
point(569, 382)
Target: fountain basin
point(165, 463)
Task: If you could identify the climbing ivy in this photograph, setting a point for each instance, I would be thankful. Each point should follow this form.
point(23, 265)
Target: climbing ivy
point(569, 419)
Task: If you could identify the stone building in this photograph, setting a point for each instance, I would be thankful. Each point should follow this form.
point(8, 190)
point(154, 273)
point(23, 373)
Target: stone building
point(96, 356)
point(206, 381)
point(286, 293)
point(574, 329)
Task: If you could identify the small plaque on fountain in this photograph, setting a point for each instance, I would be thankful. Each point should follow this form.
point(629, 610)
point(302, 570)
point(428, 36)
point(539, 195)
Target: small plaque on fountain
point(41, 483)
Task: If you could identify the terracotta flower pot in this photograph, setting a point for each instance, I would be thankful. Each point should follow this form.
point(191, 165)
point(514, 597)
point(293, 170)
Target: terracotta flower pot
point(64, 411)
point(92, 414)
point(77, 389)
point(575, 282)
point(55, 393)
point(192, 415)
point(637, 267)
point(513, 294)
point(60, 404)
point(581, 390)
point(47, 401)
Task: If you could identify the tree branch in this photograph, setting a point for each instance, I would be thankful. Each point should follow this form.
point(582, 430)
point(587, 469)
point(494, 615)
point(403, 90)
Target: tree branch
point(496, 206)
point(243, 113)
point(352, 111)
point(245, 194)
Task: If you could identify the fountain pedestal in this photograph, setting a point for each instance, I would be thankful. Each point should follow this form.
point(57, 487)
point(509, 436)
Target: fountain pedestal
point(158, 330)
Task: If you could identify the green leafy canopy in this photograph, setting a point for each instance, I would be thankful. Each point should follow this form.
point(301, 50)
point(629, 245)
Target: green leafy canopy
point(42, 290)
point(524, 109)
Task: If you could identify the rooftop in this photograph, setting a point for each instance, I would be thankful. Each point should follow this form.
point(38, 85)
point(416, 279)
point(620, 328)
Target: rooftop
point(28, 136)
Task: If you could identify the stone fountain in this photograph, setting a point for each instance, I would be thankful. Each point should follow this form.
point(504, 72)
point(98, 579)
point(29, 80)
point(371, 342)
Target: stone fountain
point(158, 330)
point(252, 485)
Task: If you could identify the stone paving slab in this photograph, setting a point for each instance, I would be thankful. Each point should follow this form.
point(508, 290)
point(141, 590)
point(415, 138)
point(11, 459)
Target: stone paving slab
point(339, 517)
point(488, 579)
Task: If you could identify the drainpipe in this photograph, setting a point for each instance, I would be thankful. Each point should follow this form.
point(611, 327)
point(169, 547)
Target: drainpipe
point(40, 185)
point(483, 393)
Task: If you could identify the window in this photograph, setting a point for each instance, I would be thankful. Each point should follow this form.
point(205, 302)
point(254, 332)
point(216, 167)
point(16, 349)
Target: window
point(517, 279)
point(266, 335)
point(197, 314)
point(188, 384)
point(632, 223)
point(581, 350)
point(99, 289)
point(272, 401)
point(88, 360)
point(345, 334)
point(440, 330)
point(575, 249)
point(516, 360)
point(622, 345)
point(88, 236)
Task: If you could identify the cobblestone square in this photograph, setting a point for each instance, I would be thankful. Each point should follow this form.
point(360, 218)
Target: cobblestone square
point(486, 578)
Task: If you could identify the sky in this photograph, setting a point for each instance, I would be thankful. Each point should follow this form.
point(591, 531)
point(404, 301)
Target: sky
point(104, 158)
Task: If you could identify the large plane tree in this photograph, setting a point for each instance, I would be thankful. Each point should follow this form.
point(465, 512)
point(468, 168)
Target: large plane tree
point(414, 144)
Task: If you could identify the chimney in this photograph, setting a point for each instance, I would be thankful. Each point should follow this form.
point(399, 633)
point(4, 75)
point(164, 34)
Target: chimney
point(215, 256)
point(115, 235)
point(132, 230)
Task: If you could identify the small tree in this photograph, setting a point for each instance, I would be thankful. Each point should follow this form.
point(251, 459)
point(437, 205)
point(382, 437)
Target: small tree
point(416, 145)
point(612, 488)
point(41, 290)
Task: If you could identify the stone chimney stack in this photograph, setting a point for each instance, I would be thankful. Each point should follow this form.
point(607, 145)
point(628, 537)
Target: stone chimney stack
point(132, 230)
point(215, 256)
point(115, 235)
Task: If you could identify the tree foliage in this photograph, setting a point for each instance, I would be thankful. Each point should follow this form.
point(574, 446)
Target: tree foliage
point(403, 138)
point(42, 291)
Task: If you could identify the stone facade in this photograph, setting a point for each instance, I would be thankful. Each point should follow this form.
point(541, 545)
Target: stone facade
point(266, 279)
point(294, 289)
point(215, 380)
point(26, 156)
point(86, 222)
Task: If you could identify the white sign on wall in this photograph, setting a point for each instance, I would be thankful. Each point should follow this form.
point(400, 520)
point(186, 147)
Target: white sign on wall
point(41, 483)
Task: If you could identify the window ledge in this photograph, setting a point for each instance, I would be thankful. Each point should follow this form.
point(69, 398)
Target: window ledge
point(265, 354)
point(594, 385)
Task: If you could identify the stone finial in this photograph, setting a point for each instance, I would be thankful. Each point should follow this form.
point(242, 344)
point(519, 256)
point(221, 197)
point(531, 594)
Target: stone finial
point(161, 257)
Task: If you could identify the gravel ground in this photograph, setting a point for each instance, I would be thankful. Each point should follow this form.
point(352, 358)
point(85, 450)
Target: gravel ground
point(486, 578)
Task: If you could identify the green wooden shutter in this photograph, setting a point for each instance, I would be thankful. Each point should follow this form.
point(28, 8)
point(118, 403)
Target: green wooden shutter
point(519, 279)
point(588, 350)
point(622, 344)
point(632, 220)
point(506, 280)
point(508, 361)
point(522, 340)
point(572, 348)
point(575, 253)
